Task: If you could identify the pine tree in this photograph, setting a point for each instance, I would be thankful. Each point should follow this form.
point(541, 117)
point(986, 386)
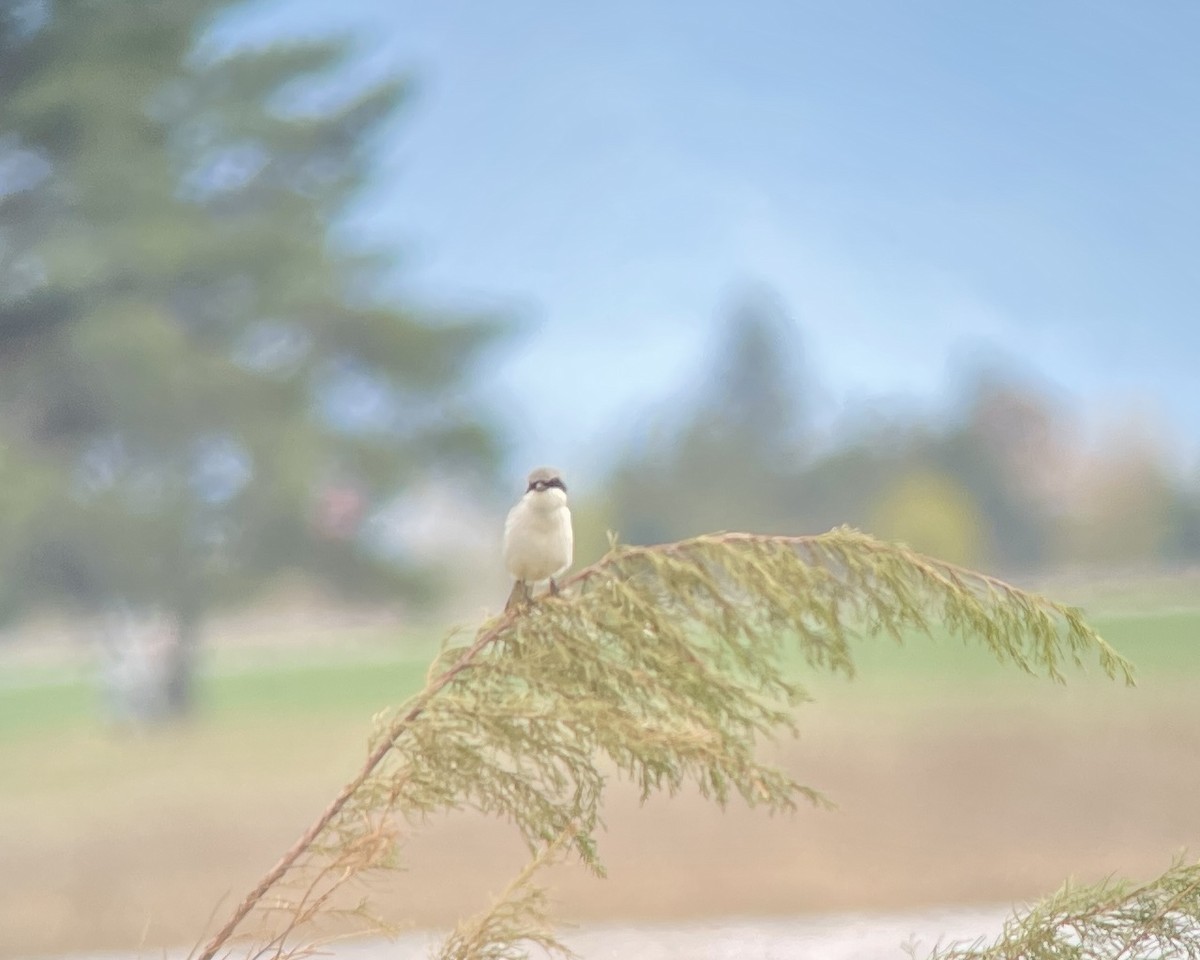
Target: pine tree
point(222, 389)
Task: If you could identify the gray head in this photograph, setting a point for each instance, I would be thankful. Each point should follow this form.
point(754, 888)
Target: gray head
point(543, 478)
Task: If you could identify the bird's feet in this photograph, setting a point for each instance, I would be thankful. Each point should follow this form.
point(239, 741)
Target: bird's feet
point(518, 597)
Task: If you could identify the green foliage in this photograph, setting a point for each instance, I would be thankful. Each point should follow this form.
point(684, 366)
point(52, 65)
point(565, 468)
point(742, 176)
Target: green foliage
point(523, 907)
point(664, 665)
point(220, 390)
point(212, 325)
point(1114, 920)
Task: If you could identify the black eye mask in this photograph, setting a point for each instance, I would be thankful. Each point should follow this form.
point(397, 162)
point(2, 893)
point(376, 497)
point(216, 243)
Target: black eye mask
point(541, 485)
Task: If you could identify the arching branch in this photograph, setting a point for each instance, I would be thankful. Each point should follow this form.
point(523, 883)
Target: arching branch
point(668, 663)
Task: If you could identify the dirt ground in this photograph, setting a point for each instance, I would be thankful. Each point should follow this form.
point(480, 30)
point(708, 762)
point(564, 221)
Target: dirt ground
point(966, 801)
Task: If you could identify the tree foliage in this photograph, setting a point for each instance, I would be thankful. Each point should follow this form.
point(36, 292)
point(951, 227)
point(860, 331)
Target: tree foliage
point(666, 664)
point(1113, 920)
point(1002, 477)
point(221, 389)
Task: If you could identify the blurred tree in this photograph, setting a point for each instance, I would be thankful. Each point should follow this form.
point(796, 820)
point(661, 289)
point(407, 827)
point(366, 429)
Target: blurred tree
point(752, 408)
point(1125, 504)
point(931, 513)
point(1013, 453)
point(32, 304)
point(222, 390)
point(848, 482)
point(1182, 543)
point(992, 487)
point(1005, 483)
point(731, 461)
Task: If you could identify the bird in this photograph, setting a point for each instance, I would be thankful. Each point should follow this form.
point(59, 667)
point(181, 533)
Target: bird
point(538, 539)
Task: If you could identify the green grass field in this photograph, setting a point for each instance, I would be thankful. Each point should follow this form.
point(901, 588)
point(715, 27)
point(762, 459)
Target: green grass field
point(30, 709)
point(1156, 642)
point(1166, 644)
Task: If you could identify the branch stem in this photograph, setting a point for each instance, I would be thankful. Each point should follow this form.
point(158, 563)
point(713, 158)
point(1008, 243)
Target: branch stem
point(297, 849)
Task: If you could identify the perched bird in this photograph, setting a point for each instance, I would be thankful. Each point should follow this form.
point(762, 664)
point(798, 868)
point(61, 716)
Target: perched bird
point(538, 539)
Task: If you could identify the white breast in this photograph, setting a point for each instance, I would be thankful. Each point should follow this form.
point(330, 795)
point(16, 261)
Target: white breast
point(538, 540)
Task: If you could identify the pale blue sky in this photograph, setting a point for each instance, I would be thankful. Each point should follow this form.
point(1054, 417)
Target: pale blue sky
point(921, 181)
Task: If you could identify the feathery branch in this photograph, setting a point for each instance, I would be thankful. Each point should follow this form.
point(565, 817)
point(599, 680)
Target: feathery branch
point(668, 662)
